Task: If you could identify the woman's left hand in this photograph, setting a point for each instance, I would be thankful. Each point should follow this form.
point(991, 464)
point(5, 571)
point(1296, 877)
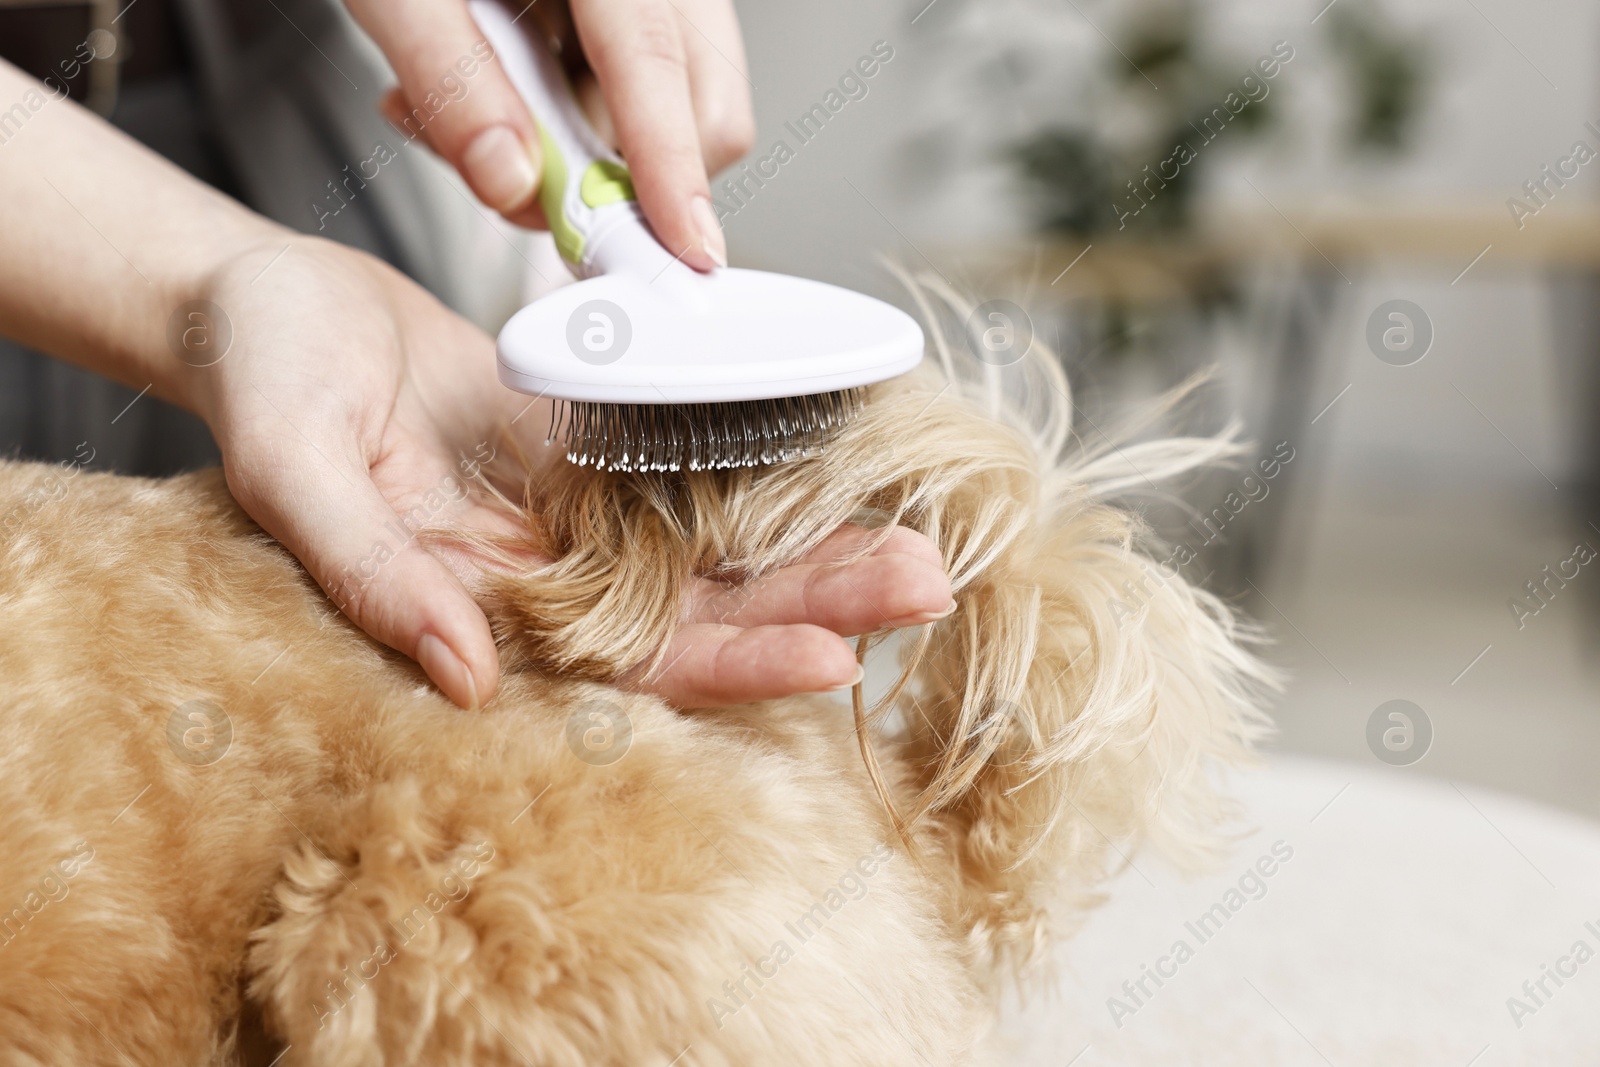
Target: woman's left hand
point(353, 410)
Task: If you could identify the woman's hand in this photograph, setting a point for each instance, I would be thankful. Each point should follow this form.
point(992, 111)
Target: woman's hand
point(671, 74)
point(352, 409)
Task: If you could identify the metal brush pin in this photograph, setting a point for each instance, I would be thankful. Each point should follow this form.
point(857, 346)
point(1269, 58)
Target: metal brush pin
point(708, 436)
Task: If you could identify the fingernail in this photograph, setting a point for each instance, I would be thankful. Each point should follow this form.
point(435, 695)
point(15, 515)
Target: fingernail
point(448, 671)
point(861, 672)
point(711, 238)
point(926, 616)
point(499, 169)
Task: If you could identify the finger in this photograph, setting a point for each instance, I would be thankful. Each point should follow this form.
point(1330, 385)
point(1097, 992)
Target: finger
point(719, 82)
point(393, 107)
point(849, 539)
point(709, 665)
point(459, 99)
point(331, 516)
point(893, 589)
point(637, 51)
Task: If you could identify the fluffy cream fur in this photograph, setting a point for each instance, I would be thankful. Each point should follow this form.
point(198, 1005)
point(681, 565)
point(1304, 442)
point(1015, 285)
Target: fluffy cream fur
point(388, 880)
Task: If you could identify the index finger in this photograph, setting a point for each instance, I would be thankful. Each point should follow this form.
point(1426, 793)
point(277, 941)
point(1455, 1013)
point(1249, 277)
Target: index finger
point(636, 49)
point(460, 101)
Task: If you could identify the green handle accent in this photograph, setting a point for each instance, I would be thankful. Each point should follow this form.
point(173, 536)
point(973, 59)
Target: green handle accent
point(552, 191)
point(606, 182)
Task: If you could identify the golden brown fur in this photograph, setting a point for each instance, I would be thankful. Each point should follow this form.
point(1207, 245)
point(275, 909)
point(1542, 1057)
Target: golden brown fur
point(593, 914)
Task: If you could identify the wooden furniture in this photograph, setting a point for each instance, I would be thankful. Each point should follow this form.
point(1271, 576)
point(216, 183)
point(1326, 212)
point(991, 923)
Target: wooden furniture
point(1311, 259)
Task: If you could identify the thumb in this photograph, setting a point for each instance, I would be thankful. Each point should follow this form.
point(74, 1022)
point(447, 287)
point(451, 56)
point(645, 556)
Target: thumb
point(371, 564)
point(457, 98)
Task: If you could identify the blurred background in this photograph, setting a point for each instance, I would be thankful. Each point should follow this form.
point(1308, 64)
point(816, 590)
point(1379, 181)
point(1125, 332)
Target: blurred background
point(1375, 166)
point(1374, 221)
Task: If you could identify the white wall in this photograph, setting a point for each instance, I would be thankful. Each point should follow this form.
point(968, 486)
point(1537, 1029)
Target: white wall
point(1492, 120)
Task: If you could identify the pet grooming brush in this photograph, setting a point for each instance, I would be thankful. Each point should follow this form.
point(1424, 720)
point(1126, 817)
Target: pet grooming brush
point(653, 365)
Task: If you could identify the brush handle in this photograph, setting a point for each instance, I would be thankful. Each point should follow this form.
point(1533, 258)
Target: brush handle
point(586, 190)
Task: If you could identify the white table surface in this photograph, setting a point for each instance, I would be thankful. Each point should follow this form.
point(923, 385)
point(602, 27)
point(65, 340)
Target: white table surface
point(1411, 910)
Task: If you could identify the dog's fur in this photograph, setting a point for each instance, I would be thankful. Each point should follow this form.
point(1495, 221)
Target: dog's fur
point(387, 879)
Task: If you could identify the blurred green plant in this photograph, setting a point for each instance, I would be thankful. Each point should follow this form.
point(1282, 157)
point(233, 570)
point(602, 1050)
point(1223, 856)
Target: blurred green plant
point(1167, 80)
point(1387, 72)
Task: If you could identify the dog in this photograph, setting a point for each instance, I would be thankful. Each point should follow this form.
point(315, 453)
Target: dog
point(230, 821)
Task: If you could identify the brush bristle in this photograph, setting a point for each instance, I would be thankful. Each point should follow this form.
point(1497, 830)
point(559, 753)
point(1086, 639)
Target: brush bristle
point(669, 437)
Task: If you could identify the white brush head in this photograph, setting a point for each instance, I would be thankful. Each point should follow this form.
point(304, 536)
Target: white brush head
point(683, 339)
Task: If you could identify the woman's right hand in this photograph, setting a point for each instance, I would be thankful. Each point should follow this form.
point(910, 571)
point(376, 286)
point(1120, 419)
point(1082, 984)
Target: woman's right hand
point(672, 83)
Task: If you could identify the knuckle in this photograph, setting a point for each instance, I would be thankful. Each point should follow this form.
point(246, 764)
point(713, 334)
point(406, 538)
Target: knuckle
point(724, 607)
point(823, 592)
point(353, 597)
point(904, 541)
point(905, 582)
point(728, 666)
point(652, 37)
